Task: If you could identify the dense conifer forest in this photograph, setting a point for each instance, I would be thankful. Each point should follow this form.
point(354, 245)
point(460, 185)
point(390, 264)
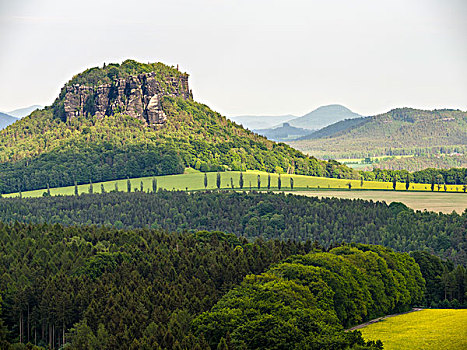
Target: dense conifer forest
point(103, 288)
point(252, 215)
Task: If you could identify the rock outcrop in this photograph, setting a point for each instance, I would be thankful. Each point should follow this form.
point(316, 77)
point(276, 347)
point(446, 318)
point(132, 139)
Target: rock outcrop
point(138, 96)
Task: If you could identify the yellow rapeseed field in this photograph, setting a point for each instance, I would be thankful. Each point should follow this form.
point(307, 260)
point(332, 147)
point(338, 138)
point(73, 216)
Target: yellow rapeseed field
point(426, 329)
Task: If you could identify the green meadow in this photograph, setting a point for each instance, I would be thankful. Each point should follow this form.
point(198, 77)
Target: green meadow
point(426, 329)
point(419, 196)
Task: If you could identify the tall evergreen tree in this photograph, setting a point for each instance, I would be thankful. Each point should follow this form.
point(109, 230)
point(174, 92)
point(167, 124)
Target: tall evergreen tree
point(205, 180)
point(154, 185)
point(141, 187)
point(128, 185)
point(240, 181)
point(407, 182)
point(91, 190)
point(218, 180)
point(291, 183)
point(102, 188)
point(279, 182)
point(76, 189)
point(269, 182)
point(259, 181)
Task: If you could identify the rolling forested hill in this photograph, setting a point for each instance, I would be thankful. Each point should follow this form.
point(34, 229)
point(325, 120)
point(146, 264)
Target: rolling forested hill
point(266, 215)
point(398, 132)
point(133, 120)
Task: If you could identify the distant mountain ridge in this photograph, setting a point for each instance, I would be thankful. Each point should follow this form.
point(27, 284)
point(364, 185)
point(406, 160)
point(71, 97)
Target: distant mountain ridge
point(256, 122)
point(324, 116)
point(22, 112)
point(6, 119)
point(285, 132)
point(315, 120)
point(335, 128)
point(400, 131)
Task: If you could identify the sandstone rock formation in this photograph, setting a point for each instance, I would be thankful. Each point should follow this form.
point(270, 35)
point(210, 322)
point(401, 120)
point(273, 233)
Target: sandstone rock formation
point(137, 96)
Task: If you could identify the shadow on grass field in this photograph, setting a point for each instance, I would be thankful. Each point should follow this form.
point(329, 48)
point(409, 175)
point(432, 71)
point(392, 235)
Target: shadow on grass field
point(427, 329)
point(431, 201)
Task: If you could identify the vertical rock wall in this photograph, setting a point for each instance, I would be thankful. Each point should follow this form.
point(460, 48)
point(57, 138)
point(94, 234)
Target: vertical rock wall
point(137, 96)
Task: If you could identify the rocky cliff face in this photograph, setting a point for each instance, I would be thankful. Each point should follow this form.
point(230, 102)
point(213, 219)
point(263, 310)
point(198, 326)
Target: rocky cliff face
point(138, 96)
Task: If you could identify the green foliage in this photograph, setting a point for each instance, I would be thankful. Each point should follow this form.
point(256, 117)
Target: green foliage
point(453, 176)
point(266, 215)
point(40, 149)
point(304, 302)
point(111, 289)
point(402, 131)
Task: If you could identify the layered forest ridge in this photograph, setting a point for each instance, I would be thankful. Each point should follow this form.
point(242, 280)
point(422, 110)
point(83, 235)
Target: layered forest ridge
point(402, 131)
point(133, 120)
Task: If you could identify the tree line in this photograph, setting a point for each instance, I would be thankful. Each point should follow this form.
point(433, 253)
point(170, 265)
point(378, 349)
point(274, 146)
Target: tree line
point(453, 176)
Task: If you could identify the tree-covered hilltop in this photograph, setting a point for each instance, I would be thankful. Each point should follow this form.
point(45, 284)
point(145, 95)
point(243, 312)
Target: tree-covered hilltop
point(102, 288)
point(304, 302)
point(109, 72)
point(402, 131)
point(77, 145)
point(251, 215)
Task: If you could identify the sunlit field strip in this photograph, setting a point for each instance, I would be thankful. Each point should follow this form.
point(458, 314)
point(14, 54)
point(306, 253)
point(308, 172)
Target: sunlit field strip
point(194, 180)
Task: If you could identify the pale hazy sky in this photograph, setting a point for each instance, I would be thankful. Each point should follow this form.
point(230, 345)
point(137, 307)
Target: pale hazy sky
point(247, 56)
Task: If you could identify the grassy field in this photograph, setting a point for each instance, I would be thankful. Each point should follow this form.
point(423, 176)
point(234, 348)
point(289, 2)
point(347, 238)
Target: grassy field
point(194, 180)
point(426, 329)
point(357, 163)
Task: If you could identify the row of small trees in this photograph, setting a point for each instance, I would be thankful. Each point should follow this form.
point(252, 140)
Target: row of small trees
point(241, 182)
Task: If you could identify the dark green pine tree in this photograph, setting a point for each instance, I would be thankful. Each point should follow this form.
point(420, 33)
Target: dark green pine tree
point(102, 188)
point(407, 182)
point(116, 186)
point(269, 182)
point(394, 183)
point(433, 183)
point(259, 182)
point(76, 189)
point(154, 185)
point(218, 180)
point(231, 183)
point(279, 182)
point(291, 183)
point(128, 185)
point(240, 181)
point(205, 180)
point(48, 190)
point(141, 186)
point(90, 187)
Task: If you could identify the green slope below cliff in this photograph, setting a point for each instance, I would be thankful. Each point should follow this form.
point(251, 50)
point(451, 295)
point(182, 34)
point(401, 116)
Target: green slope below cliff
point(58, 149)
